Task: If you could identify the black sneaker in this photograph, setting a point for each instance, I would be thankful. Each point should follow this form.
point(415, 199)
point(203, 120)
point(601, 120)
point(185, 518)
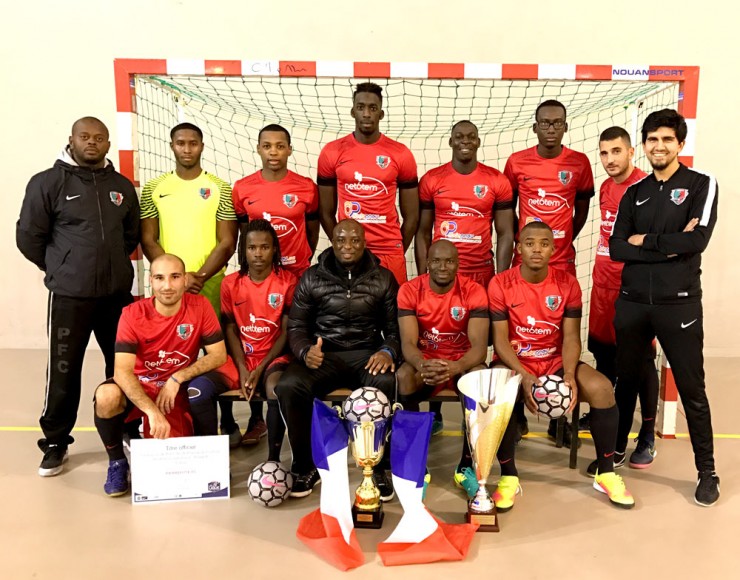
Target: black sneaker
point(619, 459)
point(552, 433)
point(707, 489)
point(384, 484)
point(303, 484)
point(54, 457)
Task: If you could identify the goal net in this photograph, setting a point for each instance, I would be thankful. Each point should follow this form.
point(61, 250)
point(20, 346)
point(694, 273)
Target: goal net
point(420, 113)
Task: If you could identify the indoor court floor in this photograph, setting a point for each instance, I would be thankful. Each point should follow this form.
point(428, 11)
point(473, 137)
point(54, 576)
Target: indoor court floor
point(65, 527)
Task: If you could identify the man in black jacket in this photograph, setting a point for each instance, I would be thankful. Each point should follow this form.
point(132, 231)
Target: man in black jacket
point(663, 225)
point(79, 222)
point(343, 329)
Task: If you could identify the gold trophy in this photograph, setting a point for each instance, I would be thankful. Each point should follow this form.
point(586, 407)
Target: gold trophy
point(488, 398)
point(367, 412)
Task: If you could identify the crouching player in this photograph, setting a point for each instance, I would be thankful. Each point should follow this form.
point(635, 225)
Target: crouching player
point(443, 321)
point(254, 309)
point(157, 373)
point(536, 316)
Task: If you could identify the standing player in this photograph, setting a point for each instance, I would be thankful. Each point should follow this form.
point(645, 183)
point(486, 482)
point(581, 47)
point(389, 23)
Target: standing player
point(616, 152)
point(554, 185)
point(359, 176)
point(443, 321)
point(189, 212)
point(664, 224)
point(79, 223)
point(461, 200)
point(157, 368)
point(536, 315)
point(290, 203)
point(254, 306)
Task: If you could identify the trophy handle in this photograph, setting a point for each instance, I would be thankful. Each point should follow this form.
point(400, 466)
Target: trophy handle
point(396, 407)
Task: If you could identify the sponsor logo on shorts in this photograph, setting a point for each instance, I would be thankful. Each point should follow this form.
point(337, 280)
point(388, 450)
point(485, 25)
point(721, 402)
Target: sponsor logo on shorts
point(116, 197)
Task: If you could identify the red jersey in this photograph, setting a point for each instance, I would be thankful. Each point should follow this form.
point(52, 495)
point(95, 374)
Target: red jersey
point(547, 190)
point(535, 311)
point(367, 178)
point(286, 204)
point(257, 308)
point(608, 273)
point(165, 344)
point(463, 209)
point(443, 318)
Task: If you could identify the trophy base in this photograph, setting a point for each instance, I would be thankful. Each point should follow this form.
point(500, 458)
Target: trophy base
point(488, 521)
point(372, 519)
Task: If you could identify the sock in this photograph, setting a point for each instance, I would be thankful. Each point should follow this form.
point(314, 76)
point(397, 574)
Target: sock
point(132, 429)
point(256, 413)
point(111, 433)
point(507, 449)
point(228, 423)
point(604, 431)
point(466, 459)
point(275, 430)
point(436, 408)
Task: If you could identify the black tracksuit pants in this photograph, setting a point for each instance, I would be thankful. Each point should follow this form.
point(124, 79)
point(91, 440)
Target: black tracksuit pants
point(299, 385)
point(70, 322)
point(680, 331)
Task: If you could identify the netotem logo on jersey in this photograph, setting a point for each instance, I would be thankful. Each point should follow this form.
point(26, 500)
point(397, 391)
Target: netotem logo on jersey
point(532, 328)
point(553, 302)
point(253, 330)
point(364, 186)
point(546, 202)
point(383, 161)
point(205, 192)
point(282, 226)
point(565, 176)
point(678, 196)
point(116, 197)
point(480, 191)
point(184, 331)
point(290, 199)
point(457, 313)
point(275, 300)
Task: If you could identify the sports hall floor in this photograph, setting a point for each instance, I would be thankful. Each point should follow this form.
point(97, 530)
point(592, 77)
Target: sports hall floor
point(65, 527)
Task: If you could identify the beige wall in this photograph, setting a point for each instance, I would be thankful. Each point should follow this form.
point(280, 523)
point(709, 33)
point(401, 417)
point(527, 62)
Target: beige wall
point(57, 60)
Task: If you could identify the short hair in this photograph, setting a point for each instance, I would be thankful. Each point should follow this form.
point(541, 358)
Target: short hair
point(665, 118)
point(550, 103)
point(186, 126)
point(615, 133)
point(89, 120)
point(273, 127)
point(535, 225)
point(461, 122)
point(368, 88)
point(168, 257)
point(260, 225)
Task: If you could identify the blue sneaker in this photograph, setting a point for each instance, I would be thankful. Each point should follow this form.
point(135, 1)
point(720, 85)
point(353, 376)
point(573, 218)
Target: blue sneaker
point(465, 479)
point(117, 482)
point(437, 427)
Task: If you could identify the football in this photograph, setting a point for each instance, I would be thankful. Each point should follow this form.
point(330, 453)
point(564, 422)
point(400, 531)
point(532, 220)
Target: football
point(366, 404)
point(269, 484)
point(553, 398)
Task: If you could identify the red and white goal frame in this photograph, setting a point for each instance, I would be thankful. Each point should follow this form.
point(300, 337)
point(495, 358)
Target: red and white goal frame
point(687, 77)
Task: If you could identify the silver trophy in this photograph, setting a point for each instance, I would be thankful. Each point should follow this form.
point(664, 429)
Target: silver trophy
point(488, 398)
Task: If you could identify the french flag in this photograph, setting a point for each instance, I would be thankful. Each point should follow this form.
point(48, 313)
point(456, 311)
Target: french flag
point(419, 538)
point(329, 530)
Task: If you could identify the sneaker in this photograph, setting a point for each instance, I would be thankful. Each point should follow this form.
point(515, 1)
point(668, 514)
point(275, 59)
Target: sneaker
point(54, 457)
point(642, 457)
point(507, 489)
point(303, 484)
point(613, 486)
point(552, 432)
point(593, 467)
point(437, 427)
point(465, 479)
point(235, 436)
point(584, 423)
point(384, 484)
point(427, 481)
point(118, 476)
point(707, 489)
point(255, 433)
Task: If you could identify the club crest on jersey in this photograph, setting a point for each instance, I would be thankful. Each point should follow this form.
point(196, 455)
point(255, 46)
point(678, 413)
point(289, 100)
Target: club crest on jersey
point(457, 313)
point(184, 331)
point(117, 197)
point(205, 192)
point(290, 199)
point(383, 161)
point(678, 196)
point(553, 302)
point(480, 191)
point(565, 176)
point(275, 300)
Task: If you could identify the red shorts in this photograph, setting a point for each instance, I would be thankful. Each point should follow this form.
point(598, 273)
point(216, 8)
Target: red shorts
point(482, 275)
point(539, 368)
point(601, 314)
point(433, 390)
point(277, 364)
point(180, 420)
point(396, 263)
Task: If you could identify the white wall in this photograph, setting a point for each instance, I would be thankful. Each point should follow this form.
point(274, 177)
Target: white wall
point(57, 59)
